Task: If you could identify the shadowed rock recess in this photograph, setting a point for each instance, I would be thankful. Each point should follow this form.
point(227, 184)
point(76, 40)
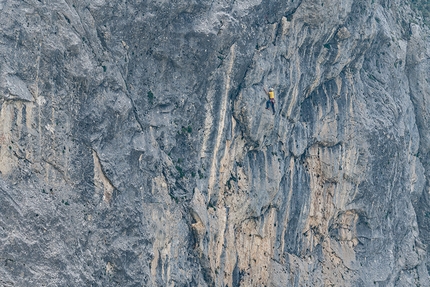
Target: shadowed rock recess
point(136, 150)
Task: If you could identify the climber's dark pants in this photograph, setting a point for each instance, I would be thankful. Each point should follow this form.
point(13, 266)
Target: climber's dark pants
point(272, 103)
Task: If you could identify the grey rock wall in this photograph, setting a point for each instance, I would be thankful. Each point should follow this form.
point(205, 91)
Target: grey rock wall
point(135, 149)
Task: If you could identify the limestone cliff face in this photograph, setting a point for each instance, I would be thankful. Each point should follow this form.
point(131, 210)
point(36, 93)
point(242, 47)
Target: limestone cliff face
point(136, 150)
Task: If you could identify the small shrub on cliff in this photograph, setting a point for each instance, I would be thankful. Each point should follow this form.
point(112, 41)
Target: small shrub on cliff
point(423, 7)
point(151, 97)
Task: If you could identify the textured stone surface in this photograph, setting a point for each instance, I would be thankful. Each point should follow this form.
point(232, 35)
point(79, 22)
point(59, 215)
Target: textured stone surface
point(135, 149)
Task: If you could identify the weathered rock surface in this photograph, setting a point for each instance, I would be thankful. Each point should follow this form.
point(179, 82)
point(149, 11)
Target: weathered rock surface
point(135, 149)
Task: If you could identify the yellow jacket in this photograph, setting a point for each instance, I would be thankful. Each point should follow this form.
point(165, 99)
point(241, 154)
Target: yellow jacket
point(272, 95)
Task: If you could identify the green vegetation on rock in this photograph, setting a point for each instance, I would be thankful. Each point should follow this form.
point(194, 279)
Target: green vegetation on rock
point(423, 7)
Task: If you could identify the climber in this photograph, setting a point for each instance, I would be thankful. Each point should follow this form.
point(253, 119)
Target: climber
point(271, 100)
